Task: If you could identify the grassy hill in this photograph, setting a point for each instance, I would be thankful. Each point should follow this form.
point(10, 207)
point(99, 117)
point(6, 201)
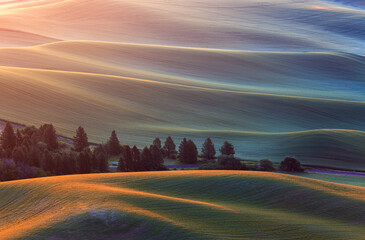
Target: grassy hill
point(184, 204)
point(283, 25)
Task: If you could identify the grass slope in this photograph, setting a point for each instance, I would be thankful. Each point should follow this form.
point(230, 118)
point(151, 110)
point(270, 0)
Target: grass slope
point(141, 109)
point(322, 75)
point(283, 25)
point(184, 204)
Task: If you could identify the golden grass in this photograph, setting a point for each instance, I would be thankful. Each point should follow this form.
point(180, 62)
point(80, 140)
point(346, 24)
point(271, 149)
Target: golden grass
point(35, 204)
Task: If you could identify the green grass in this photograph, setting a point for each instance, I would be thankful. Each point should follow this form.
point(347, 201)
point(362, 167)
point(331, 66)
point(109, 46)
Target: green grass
point(182, 205)
point(336, 178)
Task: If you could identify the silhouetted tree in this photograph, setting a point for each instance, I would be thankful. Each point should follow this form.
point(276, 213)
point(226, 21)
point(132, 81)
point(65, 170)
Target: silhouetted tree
point(80, 140)
point(113, 144)
point(146, 159)
point(103, 161)
point(49, 136)
point(169, 147)
point(136, 159)
point(188, 153)
point(125, 162)
point(58, 162)
point(228, 162)
point(47, 161)
point(227, 149)
point(156, 158)
point(8, 139)
point(266, 165)
point(19, 138)
point(157, 143)
point(208, 149)
point(290, 164)
point(19, 155)
point(35, 157)
point(84, 160)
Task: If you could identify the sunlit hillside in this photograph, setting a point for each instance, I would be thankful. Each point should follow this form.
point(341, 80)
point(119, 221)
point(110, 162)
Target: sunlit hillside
point(173, 205)
point(276, 78)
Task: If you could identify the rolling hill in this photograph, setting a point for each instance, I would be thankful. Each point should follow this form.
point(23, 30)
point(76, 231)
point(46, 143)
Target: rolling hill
point(283, 25)
point(276, 79)
point(145, 91)
point(173, 205)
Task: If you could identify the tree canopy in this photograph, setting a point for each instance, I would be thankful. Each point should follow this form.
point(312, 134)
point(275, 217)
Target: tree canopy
point(80, 140)
point(208, 149)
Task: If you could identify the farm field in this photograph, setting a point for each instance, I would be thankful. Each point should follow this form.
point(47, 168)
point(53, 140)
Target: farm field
point(174, 205)
point(275, 79)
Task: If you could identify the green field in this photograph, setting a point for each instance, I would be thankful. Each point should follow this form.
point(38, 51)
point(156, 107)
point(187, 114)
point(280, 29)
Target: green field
point(181, 204)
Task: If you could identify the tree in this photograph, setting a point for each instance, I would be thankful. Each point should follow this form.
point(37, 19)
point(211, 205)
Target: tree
point(19, 138)
point(58, 164)
point(188, 152)
point(169, 147)
point(157, 143)
point(8, 170)
point(228, 162)
point(19, 155)
point(156, 158)
point(34, 157)
point(227, 149)
point(266, 165)
point(84, 160)
point(113, 144)
point(49, 136)
point(80, 140)
point(103, 161)
point(125, 163)
point(290, 164)
point(183, 150)
point(208, 149)
point(146, 159)
point(47, 161)
point(136, 159)
point(8, 139)
point(94, 163)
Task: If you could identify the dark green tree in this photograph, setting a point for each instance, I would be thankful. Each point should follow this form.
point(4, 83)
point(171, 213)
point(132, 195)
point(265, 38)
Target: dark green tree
point(291, 164)
point(169, 147)
point(19, 138)
point(8, 139)
point(103, 162)
point(188, 152)
point(136, 159)
point(266, 165)
point(49, 136)
point(80, 140)
point(84, 160)
point(126, 162)
point(157, 143)
point(113, 144)
point(228, 162)
point(58, 162)
point(47, 161)
point(227, 149)
point(156, 158)
point(35, 157)
point(146, 159)
point(208, 149)
point(19, 155)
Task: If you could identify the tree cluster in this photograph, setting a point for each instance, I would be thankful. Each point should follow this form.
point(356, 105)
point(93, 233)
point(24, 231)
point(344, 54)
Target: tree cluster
point(32, 152)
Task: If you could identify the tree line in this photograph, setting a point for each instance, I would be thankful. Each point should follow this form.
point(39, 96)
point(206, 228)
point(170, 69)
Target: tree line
point(35, 152)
